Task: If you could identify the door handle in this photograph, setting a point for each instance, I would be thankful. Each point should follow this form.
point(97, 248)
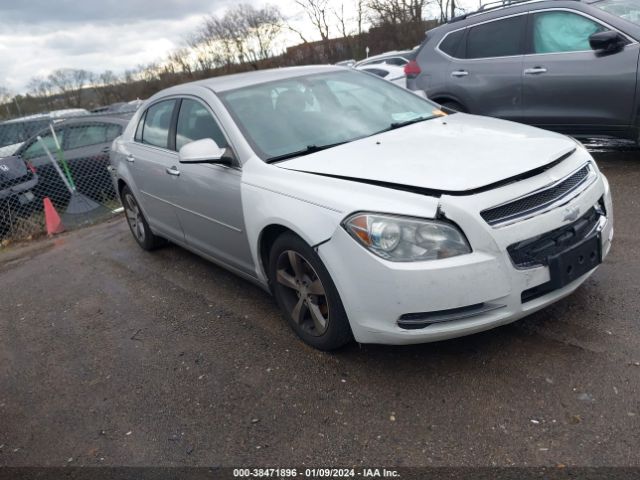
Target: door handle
point(130, 158)
point(535, 71)
point(173, 171)
point(459, 73)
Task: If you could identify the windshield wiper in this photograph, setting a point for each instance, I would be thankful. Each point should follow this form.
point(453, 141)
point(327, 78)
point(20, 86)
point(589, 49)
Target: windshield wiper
point(300, 153)
point(395, 125)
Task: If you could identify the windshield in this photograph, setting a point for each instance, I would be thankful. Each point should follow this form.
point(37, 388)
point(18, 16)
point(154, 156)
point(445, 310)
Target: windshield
point(17, 132)
point(627, 9)
point(304, 114)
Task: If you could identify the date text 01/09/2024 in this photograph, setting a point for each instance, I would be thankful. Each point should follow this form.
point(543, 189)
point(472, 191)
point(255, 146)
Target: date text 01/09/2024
point(314, 473)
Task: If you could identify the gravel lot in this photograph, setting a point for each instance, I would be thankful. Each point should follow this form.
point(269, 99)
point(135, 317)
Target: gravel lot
point(113, 356)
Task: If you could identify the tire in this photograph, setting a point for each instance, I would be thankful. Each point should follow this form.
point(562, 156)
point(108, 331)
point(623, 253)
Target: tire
point(453, 106)
point(138, 223)
point(306, 294)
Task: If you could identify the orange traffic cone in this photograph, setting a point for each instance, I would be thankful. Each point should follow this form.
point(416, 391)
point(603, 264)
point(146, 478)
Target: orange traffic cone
point(51, 218)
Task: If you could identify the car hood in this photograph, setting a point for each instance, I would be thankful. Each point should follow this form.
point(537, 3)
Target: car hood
point(456, 153)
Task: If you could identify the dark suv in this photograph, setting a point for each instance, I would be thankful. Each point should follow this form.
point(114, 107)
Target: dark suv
point(564, 65)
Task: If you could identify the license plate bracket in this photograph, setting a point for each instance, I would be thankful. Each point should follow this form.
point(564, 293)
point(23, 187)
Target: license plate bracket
point(574, 262)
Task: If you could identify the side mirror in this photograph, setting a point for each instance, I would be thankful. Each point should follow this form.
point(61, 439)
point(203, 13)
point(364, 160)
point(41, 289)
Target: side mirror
point(202, 151)
point(607, 42)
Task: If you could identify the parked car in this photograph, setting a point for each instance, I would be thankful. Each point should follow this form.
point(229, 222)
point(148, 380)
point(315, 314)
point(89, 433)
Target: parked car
point(68, 113)
point(16, 197)
point(346, 63)
point(86, 143)
point(14, 132)
point(398, 58)
point(360, 205)
point(569, 66)
point(392, 73)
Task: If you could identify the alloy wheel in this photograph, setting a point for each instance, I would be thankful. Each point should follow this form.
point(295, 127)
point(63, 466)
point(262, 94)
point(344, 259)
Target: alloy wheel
point(303, 293)
point(134, 217)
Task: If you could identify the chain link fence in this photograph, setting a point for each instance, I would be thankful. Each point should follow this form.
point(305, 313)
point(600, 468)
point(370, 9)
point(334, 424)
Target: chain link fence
point(53, 173)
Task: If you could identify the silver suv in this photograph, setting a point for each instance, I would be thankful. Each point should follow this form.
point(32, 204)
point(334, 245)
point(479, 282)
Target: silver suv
point(564, 65)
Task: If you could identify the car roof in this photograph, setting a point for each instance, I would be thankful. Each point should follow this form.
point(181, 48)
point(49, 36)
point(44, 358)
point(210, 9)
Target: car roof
point(246, 79)
point(513, 8)
point(94, 118)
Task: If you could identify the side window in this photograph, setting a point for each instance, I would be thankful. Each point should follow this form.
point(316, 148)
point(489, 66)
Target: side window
point(86, 134)
point(156, 124)
point(195, 123)
point(451, 43)
point(397, 61)
point(562, 32)
point(139, 128)
point(501, 38)
point(35, 149)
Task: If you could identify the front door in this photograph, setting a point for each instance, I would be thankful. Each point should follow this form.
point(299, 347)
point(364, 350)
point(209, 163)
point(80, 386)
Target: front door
point(569, 87)
point(209, 203)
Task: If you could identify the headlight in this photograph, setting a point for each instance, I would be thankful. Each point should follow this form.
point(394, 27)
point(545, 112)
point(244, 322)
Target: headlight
point(406, 239)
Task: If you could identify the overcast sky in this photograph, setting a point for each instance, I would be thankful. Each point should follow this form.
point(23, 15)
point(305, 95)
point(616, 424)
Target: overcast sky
point(38, 36)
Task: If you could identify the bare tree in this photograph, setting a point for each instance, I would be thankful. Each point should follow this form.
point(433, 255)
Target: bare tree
point(5, 95)
point(394, 12)
point(70, 84)
point(242, 34)
point(317, 12)
point(181, 59)
point(263, 28)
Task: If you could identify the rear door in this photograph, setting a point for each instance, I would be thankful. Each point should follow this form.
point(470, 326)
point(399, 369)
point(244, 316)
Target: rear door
point(485, 72)
point(570, 87)
point(153, 165)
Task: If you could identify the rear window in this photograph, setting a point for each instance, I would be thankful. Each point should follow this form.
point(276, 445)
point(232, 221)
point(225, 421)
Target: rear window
point(451, 43)
point(500, 38)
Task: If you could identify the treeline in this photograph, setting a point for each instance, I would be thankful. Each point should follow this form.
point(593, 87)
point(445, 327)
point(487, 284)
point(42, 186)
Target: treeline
point(244, 38)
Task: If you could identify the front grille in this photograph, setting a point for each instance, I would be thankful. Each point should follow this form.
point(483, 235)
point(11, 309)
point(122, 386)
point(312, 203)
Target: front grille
point(534, 251)
point(537, 200)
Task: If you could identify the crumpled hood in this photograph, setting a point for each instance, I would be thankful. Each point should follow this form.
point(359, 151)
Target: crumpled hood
point(455, 153)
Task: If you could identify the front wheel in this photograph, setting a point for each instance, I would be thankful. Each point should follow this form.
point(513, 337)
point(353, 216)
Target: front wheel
point(307, 295)
point(137, 223)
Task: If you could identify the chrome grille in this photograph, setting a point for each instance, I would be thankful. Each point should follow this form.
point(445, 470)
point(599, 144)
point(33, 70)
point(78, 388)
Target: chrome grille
point(538, 200)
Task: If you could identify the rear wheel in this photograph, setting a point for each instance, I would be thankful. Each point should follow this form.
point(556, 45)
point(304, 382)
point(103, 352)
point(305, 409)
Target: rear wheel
point(453, 106)
point(307, 295)
point(137, 223)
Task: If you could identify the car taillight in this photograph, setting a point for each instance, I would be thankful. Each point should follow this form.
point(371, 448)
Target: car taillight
point(412, 69)
point(31, 167)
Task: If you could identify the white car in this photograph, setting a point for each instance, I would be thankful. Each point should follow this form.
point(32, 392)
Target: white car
point(390, 73)
point(368, 212)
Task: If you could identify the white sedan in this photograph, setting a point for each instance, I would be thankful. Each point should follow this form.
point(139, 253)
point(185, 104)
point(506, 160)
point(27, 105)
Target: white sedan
point(367, 212)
